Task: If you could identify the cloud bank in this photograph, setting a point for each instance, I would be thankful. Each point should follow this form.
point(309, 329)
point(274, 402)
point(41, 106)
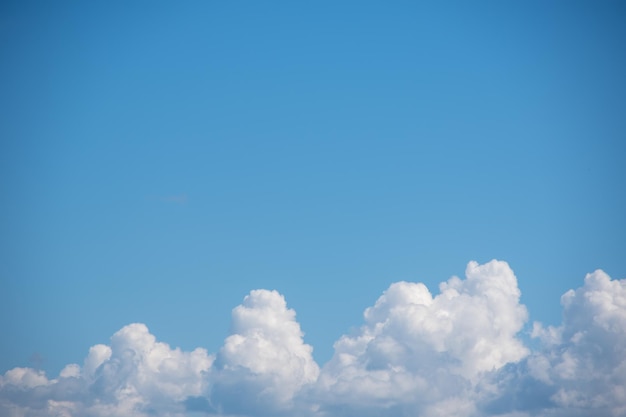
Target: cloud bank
point(458, 352)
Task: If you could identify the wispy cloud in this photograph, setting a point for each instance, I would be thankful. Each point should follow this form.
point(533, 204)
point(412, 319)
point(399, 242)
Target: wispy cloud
point(175, 198)
point(180, 199)
point(455, 353)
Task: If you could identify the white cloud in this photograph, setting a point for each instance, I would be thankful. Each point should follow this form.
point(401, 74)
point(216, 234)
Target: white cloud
point(24, 378)
point(264, 362)
point(581, 367)
point(133, 377)
point(98, 354)
point(419, 353)
point(453, 353)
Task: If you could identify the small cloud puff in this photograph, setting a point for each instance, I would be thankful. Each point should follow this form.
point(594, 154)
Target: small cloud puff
point(454, 353)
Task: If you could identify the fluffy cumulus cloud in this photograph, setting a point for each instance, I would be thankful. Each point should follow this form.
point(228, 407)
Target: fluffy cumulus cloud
point(264, 362)
point(134, 376)
point(419, 354)
point(457, 352)
point(580, 369)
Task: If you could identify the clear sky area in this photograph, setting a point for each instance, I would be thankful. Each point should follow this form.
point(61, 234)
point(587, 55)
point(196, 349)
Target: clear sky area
point(160, 161)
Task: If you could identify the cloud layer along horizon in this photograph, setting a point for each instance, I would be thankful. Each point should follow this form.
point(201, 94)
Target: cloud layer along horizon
point(458, 352)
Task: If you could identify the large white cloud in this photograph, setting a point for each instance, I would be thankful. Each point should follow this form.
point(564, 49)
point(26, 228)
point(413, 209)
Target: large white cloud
point(264, 362)
point(587, 362)
point(580, 368)
point(454, 353)
point(419, 353)
point(134, 376)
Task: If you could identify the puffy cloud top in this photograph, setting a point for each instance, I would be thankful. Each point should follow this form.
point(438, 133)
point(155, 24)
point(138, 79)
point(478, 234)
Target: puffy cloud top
point(264, 362)
point(411, 339)
point(134, 376)
point(453, 353)
point(24, 378)
point(584, 360)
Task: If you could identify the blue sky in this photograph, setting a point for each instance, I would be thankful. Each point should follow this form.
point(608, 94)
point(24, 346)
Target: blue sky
point(158, 162)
